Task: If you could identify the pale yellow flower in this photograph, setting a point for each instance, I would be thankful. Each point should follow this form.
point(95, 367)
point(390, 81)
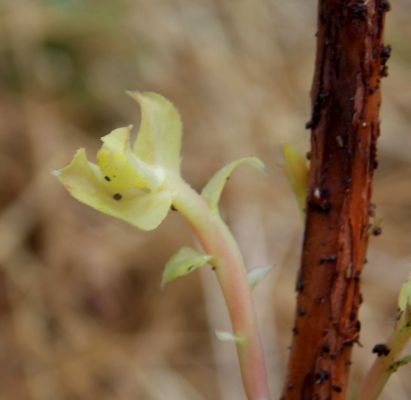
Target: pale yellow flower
point(128, 183)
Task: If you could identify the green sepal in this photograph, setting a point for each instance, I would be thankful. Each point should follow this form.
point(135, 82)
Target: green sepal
point(296, 170)
point(211, 192)
point(186, 260)
point(256, 275)
point(228, 336)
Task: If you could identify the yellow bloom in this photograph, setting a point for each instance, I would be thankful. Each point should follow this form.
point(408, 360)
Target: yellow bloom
point(128, 183)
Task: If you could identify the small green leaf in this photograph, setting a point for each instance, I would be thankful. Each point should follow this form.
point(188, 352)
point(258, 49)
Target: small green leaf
point(186, 260)
point(296, 170)
point(399, 363)
point(404, 298)
point(228, 336)
point(256, 275)
point(212, 191)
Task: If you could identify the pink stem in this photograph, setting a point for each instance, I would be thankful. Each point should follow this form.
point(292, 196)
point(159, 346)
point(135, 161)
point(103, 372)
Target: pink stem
point(218, 241)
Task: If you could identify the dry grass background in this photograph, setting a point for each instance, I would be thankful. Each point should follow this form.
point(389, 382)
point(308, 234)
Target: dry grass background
point(82, 316)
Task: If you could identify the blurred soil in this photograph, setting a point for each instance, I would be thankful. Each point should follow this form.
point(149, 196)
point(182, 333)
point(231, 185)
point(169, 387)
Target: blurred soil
point(82, 316)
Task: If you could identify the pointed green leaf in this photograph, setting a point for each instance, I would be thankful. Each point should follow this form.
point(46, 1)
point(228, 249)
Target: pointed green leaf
point(159, 138)
point(186, 260)
point(212, 191)
point(256, 275)
point(228, 336)
point(404, 298)
point(296, 170)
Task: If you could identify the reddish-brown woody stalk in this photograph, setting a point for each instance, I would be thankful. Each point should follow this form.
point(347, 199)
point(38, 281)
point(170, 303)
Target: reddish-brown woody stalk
point(346, 100)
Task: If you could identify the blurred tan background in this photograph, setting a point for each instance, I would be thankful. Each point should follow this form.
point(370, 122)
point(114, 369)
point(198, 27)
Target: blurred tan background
point(82, 316)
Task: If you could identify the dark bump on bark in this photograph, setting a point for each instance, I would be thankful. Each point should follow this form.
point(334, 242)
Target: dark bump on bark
point(299, 284)
point(295, 330)
point(326, 348)
point(322, 376)
point(385, 53)
point(337, 389)
point(323, 207)
point(377, 231)
point(385, 6)
point(358, 9)
point(357, 276)
point(348, 362)
point(325, 332)
point(319, 103)
point(301, 311)
point(358, 326)
point(352, 315)
point(373, 89)
point(381, 350)
point(309, 124)
point(308, 155)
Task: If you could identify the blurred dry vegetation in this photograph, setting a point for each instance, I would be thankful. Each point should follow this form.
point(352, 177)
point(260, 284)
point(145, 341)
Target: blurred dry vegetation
point(82, 316)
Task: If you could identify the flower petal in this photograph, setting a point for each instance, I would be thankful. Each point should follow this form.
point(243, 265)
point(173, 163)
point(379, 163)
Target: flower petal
point(121, 168)
point(159, 138)
point(186, 260)
point(212, 191)
point(86, 183)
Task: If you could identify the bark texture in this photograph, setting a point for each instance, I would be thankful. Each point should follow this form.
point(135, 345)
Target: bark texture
point(346, 99)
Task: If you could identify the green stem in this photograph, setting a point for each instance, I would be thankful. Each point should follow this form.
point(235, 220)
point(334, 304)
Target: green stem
point(218, 241)
point(385, 364)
